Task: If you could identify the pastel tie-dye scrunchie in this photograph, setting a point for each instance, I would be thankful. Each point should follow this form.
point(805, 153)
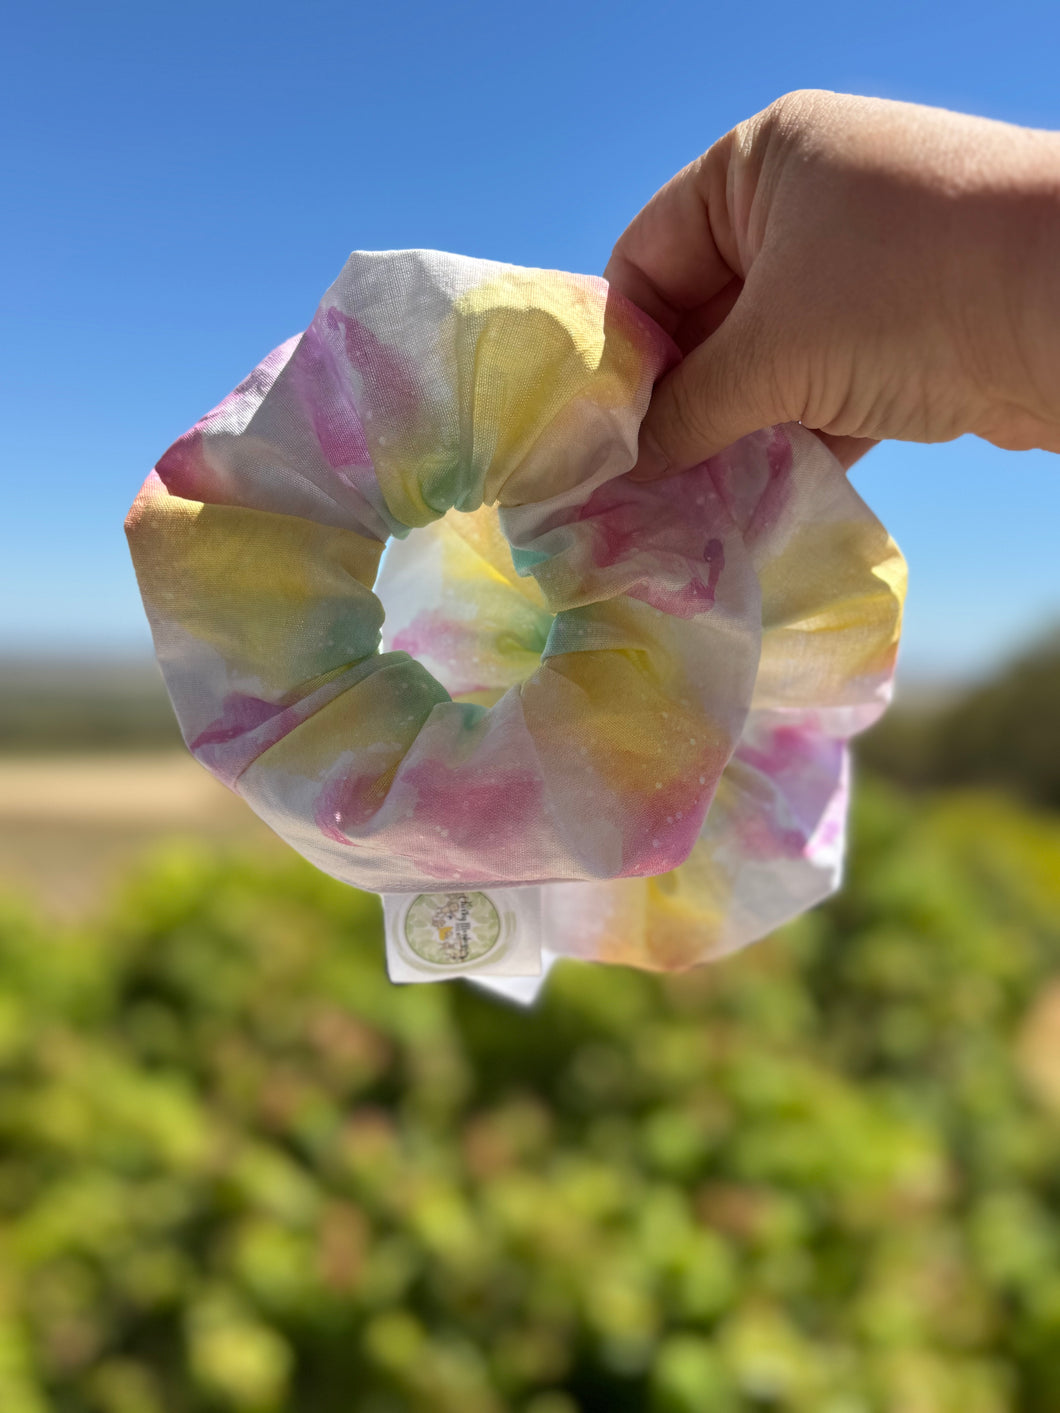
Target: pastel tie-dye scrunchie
point(636, 695)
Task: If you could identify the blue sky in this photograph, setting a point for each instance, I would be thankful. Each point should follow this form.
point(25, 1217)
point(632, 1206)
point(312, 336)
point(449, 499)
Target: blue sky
point(183, 182)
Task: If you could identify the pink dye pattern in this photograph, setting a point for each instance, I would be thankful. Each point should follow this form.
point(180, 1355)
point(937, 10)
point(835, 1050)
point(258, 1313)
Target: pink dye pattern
point(732, 474)
point(184, 470)
point(631, 520)
point(448, 644)
point(790, 752)
point(239, 714)
point(775, 496)
point(804, 768)
point(458, 811)
point(483, 813)
point(831, 830)
point(246, 728)
point(671, 821)
point(622, 316)
point(320, 379)
point(389, 389)
point(762, 839)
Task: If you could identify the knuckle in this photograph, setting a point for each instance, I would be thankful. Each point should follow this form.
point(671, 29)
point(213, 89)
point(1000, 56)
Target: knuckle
point(800, 102)
point(801, 118)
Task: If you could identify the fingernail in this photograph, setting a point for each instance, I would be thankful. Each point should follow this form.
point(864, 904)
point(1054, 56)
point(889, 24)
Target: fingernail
point(652, 461)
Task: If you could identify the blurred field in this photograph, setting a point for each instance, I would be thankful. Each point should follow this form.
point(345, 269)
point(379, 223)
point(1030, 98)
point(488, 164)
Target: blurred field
point(72, 824)
point(94, 775)
point(71, 705)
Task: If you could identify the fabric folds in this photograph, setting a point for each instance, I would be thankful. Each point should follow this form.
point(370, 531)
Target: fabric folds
point(638, 696)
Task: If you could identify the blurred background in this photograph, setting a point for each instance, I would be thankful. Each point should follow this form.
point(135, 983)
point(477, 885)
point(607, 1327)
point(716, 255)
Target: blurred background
point(238, 1170)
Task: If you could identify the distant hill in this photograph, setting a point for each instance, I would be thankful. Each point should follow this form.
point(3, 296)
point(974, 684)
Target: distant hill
point(1004, 732)
point(51, 705)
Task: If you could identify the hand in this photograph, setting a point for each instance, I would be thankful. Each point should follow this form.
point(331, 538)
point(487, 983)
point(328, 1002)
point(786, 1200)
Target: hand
point(871, 269)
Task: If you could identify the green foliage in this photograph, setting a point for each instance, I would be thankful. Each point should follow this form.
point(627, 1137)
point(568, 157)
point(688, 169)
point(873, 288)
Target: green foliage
point(241, 1173)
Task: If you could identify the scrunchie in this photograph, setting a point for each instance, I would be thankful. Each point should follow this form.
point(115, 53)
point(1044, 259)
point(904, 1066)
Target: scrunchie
point(637, 695)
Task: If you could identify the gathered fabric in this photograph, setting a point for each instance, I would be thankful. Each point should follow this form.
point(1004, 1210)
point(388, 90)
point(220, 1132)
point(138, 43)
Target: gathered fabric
point(636, 695)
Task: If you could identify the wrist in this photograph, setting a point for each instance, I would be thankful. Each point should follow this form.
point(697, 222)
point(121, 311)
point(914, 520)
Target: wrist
point(1023, 395)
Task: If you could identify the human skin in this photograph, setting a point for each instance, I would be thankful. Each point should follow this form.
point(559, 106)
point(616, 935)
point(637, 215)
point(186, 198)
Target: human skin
point(871, 269)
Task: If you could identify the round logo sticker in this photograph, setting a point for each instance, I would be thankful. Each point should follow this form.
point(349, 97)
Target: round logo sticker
point(452, 929)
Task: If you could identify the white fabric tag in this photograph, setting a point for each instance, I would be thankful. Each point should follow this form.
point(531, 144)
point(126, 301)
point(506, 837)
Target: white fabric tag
point(463, 932)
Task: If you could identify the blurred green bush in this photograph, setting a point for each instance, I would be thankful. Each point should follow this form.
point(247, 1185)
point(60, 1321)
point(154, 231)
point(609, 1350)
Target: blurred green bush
point(241, 1172)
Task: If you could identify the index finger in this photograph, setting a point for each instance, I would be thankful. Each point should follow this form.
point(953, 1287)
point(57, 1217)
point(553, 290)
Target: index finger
point(680, 252)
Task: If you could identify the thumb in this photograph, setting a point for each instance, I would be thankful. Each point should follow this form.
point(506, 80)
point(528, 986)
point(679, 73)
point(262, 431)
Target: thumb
point(723, 389)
